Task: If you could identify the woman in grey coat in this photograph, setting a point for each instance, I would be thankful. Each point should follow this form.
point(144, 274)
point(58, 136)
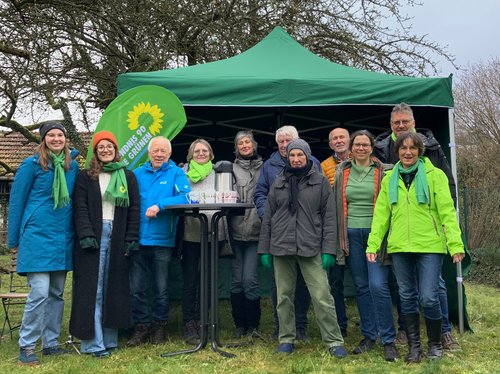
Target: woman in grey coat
point(245, 292)
point(299, 227)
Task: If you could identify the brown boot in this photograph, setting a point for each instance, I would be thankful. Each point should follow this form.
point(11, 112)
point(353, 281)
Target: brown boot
point(159, 332)
point(140, 335)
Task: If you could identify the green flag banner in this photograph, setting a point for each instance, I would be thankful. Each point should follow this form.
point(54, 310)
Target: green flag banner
point(138, 115)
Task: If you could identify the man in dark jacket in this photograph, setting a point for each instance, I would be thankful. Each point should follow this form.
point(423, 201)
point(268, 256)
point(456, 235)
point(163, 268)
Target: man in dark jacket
point(402, 120)
point(270, 170)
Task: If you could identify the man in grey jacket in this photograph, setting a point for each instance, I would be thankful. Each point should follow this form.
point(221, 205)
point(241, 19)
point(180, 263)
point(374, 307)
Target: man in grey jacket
point(299, 229)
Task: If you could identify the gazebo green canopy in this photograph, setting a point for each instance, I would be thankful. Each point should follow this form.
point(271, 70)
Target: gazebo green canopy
point(277, 82)
point(279, 71)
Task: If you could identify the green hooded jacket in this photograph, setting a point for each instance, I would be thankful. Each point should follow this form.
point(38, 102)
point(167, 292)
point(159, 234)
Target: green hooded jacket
point(413, 227)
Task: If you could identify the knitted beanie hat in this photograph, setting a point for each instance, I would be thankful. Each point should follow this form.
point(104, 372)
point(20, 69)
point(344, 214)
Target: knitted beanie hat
point(299, 144)
point(103, 135)
point(47, 126)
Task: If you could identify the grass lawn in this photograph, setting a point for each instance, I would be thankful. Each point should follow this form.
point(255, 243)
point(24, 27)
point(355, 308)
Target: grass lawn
point(480, 349)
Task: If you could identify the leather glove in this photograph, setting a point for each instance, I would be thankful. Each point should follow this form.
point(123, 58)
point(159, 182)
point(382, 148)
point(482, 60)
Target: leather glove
point(89, 243)
point(328, 260)
point(131, 248)
point(266, 261)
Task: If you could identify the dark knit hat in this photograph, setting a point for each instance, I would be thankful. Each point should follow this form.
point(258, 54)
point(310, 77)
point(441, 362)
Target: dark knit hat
point(103, 135)
point(299, 144)
point(47, 126)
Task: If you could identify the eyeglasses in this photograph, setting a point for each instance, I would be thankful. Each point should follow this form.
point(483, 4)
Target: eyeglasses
point(107, 147)
point(402, 121)
point(361, 145)
point(159, 150)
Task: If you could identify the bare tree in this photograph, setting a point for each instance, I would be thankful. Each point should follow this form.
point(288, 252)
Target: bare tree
point(477, 113)
point(67, 54)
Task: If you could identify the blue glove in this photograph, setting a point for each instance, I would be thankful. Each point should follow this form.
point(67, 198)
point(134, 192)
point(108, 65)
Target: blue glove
point(328, 260)
point(266, 261)
point(89, 243)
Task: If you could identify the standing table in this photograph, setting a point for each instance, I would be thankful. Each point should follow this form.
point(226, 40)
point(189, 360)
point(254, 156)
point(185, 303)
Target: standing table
point(196, 210)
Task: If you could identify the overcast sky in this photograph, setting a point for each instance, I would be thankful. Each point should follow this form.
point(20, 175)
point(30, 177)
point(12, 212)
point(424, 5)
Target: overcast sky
point(470, 29)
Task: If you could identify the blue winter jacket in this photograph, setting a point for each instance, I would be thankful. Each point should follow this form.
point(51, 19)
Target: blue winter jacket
point(167, 185)
point(44, 235)
point(270, 170)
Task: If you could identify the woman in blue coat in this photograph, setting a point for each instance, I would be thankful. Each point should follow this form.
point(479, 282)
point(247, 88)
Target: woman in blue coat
point(41, 231)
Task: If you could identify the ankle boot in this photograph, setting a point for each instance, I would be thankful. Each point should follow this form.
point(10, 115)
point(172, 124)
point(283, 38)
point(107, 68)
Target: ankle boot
point(140, 335)
point(239, 313)
point(159, 332)
point(435, 348)
point(412, 322)
point(252, 310)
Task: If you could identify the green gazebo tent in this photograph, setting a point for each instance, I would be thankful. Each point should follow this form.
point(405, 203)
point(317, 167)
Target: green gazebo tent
point(277, 82)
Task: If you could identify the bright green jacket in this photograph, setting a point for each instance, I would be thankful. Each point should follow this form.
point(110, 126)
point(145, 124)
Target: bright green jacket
point(413, 227)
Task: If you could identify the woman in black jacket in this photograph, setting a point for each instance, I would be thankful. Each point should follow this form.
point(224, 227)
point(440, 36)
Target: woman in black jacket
point(107, 225)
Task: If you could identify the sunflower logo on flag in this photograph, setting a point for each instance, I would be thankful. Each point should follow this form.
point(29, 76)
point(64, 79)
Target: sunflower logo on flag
point(146, 115)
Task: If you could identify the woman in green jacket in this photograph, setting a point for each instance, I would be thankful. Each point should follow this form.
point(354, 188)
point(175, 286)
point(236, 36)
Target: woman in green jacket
point(416, 207)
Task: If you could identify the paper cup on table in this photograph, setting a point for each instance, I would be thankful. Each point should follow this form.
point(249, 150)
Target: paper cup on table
point(230, 197)
point(208, 197)
point(219, 197)
point(193, 197)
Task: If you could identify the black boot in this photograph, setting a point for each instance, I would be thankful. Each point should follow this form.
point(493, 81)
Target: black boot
point(435, 348)
point(140, 335)
point(412, 322)
point(239, 313)
point(252, 310)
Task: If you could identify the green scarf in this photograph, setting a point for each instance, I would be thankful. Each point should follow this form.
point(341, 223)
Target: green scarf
point(421, 185)
point(117, 191)
point(198, 172)
point(59, 186)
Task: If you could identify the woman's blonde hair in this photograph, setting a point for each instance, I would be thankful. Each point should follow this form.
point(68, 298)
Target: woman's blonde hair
point(193, 144)
point(44, 155)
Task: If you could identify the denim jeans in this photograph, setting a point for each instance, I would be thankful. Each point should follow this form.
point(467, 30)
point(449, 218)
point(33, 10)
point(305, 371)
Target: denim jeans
point(359, 268)
point(286, 271)
point(44, 309)
point(244, 269)
point(104, 337)
point(150, 267)
point(443, 302)
point(418, 275)
point(336, 280)
point(302, 301)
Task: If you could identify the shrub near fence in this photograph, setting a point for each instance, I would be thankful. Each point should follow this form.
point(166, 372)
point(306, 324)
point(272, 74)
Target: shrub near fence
point(480, 222)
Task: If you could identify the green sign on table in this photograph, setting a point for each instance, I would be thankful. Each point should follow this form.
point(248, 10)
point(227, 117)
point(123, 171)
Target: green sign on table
point(138, 115)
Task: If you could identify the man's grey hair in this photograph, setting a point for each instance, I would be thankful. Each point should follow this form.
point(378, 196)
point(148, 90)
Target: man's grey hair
point(402, 108)
point(159, 137)
point(287, 131)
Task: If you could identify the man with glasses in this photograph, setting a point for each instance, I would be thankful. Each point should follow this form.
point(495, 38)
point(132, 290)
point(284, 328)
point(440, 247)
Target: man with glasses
point(402, 120)
point(161, 183)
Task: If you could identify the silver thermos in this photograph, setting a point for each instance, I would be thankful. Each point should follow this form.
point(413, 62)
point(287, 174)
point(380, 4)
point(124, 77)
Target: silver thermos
point(223, 176)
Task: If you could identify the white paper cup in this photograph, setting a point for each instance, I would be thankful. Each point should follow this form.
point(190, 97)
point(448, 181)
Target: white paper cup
point(193, 197)
point(208, 197)
point(230, 197)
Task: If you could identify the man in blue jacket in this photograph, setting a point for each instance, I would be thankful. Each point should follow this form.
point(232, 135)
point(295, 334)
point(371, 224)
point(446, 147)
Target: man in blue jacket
point(270, 170)
point(161, 183)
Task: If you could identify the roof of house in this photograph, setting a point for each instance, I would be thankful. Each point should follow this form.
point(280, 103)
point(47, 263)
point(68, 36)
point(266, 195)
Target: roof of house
point(14, 148)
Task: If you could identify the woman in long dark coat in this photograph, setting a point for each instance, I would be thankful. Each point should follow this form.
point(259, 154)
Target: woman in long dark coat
point(107, 227)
